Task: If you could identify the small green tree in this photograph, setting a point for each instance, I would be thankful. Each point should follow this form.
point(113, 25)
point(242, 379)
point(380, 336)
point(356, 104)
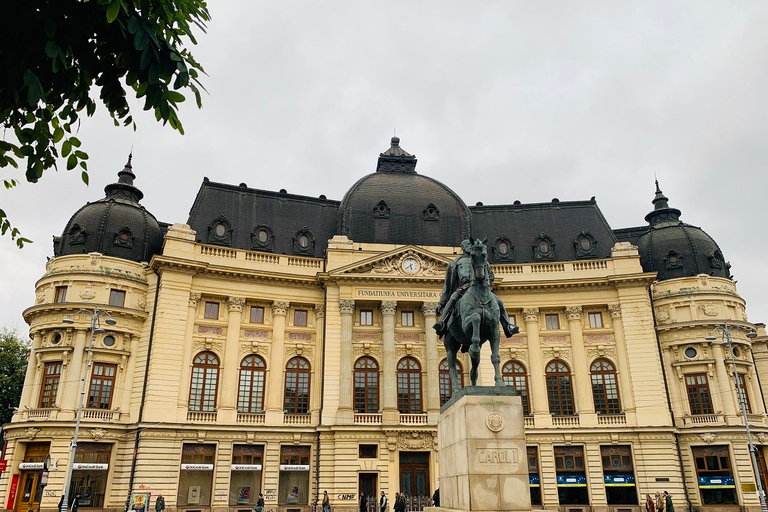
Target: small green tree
point(52, 53)
point(14, 350)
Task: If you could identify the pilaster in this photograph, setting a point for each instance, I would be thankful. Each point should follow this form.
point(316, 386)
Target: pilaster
point(274, 391)
point(345, 416)
point(390, 414)
point(230, 373)
point(584, 400)
point(429, 309)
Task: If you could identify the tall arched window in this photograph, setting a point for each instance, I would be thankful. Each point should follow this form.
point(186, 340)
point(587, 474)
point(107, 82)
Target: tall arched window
point(409, 386)
point(445, 380)
point(366, 385)
point(559, 389)
point(604, 387)
point(297, 386)
point(205, 378)
point(250, 394)
point(514, 375)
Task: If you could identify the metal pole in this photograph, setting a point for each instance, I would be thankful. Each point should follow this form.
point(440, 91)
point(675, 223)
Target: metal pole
point(73, 447)
point(743, 406)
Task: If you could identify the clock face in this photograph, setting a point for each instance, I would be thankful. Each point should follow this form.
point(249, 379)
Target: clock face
point(411, 265)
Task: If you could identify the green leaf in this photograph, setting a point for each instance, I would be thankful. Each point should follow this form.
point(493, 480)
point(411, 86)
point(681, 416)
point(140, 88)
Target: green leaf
point(50, 27)
point(133, 24)
point(81, 155)
point(113, 9)
point(174, 96)
point(58, 133)
point(35, 88)
point(51, 49)
point(74, 141)
point(146, 58)
point(71, 162)
point(84, 177)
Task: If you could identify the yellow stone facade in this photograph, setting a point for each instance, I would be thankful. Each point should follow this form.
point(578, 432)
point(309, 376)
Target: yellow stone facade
point(575, 313)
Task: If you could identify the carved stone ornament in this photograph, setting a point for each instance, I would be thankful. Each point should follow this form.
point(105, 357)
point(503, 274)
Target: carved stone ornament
point(235, 304)
point(280, 308)
point(97, 433)
point(600, 351)
point(254, 347)
point(388, 307)
point(40, 297)
point(614, 310)
point(495, 422)
point(141, 303)
point(366, 349)
point(573, 313)
point(299, 350)
point(429, 308)
point(556, 353)
point(708, 309)
point(531, 315)
point(708, 437)
point(346, 306)
point(319, 310)
point(408, 350)
point(762, 437)
point(415, 441)
point(31, 432)
point(394, 265)
point(194, 299)
point(208, 344)
point(88, 293)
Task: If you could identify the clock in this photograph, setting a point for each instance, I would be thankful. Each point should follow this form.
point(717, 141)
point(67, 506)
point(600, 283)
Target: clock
point(411, 265)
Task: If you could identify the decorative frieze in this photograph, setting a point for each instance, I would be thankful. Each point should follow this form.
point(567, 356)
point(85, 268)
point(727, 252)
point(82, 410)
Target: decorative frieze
point(415, 441)
point(554, 339)
point(210, 329)
point(300, 336)
point(366, 336)
point(256, 333)
point(409, 336)
point(595, 338)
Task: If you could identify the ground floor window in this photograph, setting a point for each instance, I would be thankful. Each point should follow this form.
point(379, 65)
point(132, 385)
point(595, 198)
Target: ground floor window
point(196, 475)
point(714, 476)
point(89, 473)
point(293, 486)
point(571, 478)
point(618, 475)
point(534, 481)
point(245, 479)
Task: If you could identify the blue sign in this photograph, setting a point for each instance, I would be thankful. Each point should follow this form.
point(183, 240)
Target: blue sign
point(533, 480)
point(716, 482)
point(571, 481)
point(619, 480)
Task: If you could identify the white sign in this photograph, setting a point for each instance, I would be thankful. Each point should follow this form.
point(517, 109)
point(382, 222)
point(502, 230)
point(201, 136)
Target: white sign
point(246, 467)
point(83, 466)
point(364, 293)
point(294, 467)
point(197, 467)
point(31, 465)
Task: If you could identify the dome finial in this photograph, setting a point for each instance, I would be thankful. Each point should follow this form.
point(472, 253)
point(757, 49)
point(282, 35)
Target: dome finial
point(126, 176)
point(660, 201)
point(662, 212)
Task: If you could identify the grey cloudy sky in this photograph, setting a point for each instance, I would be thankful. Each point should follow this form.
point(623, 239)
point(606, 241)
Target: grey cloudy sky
point(528, 100)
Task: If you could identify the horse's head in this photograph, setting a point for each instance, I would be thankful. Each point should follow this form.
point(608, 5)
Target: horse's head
point(479, 255)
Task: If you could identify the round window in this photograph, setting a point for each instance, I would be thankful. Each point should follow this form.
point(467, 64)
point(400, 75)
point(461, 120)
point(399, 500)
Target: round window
point(543, 246)
point(672, 258)
point(736, 352)
point(382, 208)
point(108, 341)
point(220, 229)
point(503, 248)
point(431, 211)
point(690, 352)
point(262, 235)
point(124, 236)
point(585, 243)
point(77, 232)
point(56, 339)
point(303, 241)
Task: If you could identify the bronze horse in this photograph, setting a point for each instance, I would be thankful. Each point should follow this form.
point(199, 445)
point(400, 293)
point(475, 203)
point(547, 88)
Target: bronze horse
point(477, 320)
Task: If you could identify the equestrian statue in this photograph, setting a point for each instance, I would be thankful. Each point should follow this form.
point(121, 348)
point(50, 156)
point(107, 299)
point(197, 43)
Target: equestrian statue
point(470, 312)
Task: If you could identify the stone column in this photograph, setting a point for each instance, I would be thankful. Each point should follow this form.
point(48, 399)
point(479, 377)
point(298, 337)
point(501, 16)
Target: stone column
point(433, 375)
point(725, 386)
point(315, 398)
point(230, 374)
point(69, 393)
point(346, 415)
point(626, 391)
point(390, 414)
point(755, 398)
point(130, 373)
point(29, 377)
point(675, 384)
point(536, 375)
point(585, 405)
point(186, 357)
point(275, 391)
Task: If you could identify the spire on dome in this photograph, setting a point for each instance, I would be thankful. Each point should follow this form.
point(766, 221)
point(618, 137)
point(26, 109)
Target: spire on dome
point(124, 188)
point(661, 211)
point(395, 159)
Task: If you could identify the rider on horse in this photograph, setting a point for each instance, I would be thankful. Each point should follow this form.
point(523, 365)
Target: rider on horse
point(458, 278)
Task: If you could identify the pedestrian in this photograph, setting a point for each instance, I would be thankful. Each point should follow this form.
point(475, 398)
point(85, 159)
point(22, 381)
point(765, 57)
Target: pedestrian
point(62, 508)
point(659, 503)
point(259, 506)
point(363, 502)
point(326, 502)
point(668, 506)
point(75, 503)
point(650, 504)
point(159, 503)
point(383, 502)
point(436, 498)
point(399, 502)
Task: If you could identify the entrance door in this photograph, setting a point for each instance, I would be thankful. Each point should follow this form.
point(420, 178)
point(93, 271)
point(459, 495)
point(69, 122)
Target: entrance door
point(368, 486)
point(414, 474)
point(29, 495)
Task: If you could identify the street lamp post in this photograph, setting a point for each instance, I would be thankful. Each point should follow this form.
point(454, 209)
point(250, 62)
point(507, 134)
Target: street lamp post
point(95, 328)
point(726, 330)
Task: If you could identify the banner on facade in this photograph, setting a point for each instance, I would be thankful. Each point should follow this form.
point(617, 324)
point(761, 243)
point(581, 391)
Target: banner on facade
point(294, 467)
point(197, 467)
point(368, 293)
point(246, 467)
point(87, 466)
point(32, 466)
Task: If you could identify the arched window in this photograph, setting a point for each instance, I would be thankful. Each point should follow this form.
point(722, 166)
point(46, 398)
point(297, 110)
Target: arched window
point(446, 390)
point(604, 387)
point(409, 386)
point(205, 378)
point(297, 386)
point(514, 375)
point(366, 385)
point(559, 389)
point(250, 394)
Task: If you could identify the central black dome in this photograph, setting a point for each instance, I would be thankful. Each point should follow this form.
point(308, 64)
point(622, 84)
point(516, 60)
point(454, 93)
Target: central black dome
point(395, 205)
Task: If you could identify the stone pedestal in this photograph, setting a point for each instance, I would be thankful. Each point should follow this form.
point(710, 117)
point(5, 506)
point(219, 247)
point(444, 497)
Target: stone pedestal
point(483, 463)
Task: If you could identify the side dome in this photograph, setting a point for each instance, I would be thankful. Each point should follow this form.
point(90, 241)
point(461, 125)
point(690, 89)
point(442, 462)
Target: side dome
point(395, 205)
point(675, 249)
point(116, 225)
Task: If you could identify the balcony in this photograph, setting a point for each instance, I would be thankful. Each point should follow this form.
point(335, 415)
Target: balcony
point(41, 414)
point(565, 421)
point(251, 418)
point(413, 419)
point(297, 418)
point(367, 418)
point(704, 419)
point(100, 414)
point(528, 422)
point(201, 417)
point(611, 419)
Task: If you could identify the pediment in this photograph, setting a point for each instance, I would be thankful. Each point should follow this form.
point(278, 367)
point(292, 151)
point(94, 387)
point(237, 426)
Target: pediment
point(399, 263)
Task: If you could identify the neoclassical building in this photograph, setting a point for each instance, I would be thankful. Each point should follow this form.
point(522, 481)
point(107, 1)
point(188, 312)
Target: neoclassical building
point(283, 344)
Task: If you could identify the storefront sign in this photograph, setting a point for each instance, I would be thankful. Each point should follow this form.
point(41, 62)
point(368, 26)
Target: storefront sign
point(716, 482)
point(619, 480)
point(12, 492)
point(197, 467)
point(533, 480)
point(294, 467)
point(3, 465)
point(86, 466)
point(366, 293)
point(571, 481)
point(32, 465)
point(246, 467)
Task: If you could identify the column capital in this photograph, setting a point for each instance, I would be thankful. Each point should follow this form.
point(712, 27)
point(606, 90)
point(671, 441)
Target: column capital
point(573, 313)
point(429, 308)
point(388, 307)
point(347, 306)
point(319, 310)
point(235, 304)
point(531, 315)
point(194, 299)
point(614, 310)
point(280, 308)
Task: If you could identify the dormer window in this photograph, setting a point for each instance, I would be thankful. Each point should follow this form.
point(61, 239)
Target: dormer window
point(585, 245)
point(502, 249)
point(431, 212)
point(381, 210)
point(220, 231)
point(77, 235)
point(124, 238)
point(303, 242)
point(716, 259)
point(673, 260)
point(262, 239)
point(543, 248)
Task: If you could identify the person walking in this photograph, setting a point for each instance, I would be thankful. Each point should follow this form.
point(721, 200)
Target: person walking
point(159, 503)
point(650, 504)
point(399, 502)
point(363, 502)
point(668, 506)
point(383, 502)
point(259, 506)
point(75, 503)
point(659, 503)
point(61, 504)
point(436, 498)
point(326, 502)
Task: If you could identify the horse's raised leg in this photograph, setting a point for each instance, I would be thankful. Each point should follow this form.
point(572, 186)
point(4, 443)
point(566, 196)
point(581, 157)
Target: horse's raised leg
point(451, 347)
point(495, 357)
